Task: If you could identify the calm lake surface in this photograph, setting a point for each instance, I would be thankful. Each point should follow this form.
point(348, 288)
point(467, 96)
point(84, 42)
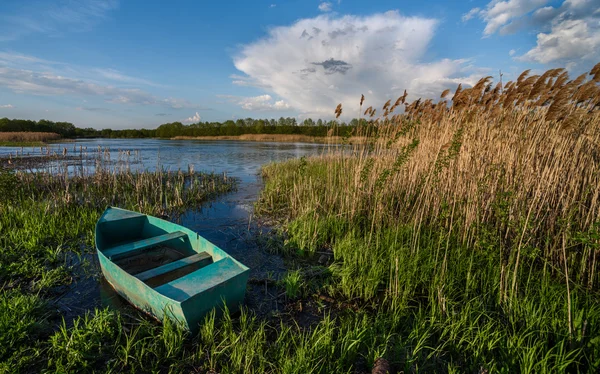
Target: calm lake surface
point(226, 221)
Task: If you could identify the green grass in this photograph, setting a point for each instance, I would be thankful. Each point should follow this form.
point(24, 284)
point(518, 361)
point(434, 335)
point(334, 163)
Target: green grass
point(292, 283)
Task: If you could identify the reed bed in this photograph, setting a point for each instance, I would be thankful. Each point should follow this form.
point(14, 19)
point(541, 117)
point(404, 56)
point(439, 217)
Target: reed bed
point(483, 207)
point(522, 170)
point(28, 136)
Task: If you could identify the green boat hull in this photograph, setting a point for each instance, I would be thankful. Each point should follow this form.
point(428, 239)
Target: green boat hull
point(185, 289)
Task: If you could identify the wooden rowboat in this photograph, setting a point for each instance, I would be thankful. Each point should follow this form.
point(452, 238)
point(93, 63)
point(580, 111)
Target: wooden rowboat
point(167, 270)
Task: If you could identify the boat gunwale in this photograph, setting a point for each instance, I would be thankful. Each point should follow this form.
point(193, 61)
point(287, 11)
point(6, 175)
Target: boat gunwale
point(244, 269)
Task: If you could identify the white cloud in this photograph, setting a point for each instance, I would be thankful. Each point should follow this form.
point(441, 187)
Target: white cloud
point(568, 34)
point(43, 83)
point(325, 6)
point(281, 105)
point(93, 74)
point(257, 103)
point(92, 109)
point(7, 106)
point(472, 13)
point(512, 52)
point(117, 76)
point(501, 13)
point(316, 63)
point(54, 18)
point(272, 5)
point(31, 75)
point(569, 40)
point(193, 119)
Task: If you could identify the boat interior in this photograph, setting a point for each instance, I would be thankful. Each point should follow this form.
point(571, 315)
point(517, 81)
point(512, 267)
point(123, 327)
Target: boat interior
point(148, 252)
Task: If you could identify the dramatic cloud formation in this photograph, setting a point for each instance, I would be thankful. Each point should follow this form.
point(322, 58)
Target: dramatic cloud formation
point(7, 106)
point(193, 119)
point(317, 63)
point(257, 103)
point(29, 75)
point(55, 17)
point(568, 34)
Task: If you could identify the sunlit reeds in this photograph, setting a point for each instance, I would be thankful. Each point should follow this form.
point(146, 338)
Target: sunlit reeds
point(481, 212)
point(493, 158)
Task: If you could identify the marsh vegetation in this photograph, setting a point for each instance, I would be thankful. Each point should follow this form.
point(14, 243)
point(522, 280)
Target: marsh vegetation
point(27, 139)
point(461, 237)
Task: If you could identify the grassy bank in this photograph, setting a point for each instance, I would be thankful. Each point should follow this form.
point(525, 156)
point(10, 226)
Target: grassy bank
point(283, 138)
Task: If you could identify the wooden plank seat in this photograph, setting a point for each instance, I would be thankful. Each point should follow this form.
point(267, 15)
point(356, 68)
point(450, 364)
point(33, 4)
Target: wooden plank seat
point(201, 280)
point(197, 259)
point(128, 249)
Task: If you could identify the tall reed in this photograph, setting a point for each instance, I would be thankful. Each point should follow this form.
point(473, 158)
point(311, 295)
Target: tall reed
point(480, 215)
point(522, 161)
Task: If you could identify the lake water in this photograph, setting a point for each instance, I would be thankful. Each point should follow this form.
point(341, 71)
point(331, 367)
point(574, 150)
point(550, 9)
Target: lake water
point(226, 221)
point(237, 158)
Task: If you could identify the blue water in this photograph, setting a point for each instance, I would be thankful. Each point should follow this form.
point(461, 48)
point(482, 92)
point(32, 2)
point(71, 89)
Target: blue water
point(237, 158)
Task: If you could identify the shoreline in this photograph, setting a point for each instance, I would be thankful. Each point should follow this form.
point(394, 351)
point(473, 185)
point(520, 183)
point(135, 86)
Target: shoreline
point(40, 143)
point(279, 138)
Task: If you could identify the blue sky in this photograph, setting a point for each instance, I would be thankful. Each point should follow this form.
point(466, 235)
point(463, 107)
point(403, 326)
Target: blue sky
point(140, 63)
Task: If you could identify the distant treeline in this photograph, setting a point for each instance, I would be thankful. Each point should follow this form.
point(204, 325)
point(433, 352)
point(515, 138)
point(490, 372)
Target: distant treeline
point(65, 129)
point(168, 130)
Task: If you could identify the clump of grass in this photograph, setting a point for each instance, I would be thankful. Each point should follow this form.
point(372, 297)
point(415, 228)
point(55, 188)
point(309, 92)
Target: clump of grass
point(293, 283)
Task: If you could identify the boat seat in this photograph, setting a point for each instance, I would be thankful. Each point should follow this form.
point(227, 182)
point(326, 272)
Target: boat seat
point(128, 249)
point(196, 259)
point(201, 280)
